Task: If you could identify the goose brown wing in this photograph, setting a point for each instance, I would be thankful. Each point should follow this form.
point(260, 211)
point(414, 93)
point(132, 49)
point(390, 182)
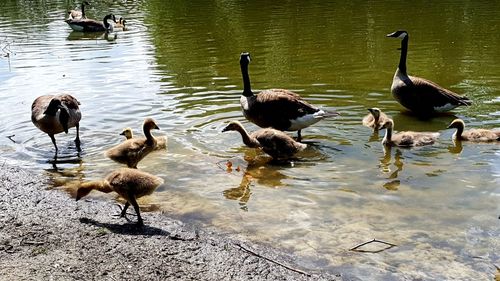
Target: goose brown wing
point(277, 107)
point(276, 143)
point(437, 95)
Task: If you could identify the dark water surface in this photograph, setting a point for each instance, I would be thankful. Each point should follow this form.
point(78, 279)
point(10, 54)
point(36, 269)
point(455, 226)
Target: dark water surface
point(178, 63)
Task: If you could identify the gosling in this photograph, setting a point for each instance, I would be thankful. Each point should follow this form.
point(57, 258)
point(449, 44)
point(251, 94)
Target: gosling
point(273, 142)
point(161, 142)
point(407, 138)
point(375, 119)
point(132, 151)
point(54, 114)
point(475, 135)
point(130, 184)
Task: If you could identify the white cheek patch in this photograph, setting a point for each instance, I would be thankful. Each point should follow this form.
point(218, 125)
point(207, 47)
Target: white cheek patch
point(403, 35)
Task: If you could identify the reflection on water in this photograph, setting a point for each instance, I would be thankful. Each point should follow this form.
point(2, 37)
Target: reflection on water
point(178, 63)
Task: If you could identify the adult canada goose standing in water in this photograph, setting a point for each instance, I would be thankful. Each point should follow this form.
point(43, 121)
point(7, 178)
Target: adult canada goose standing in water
point(375, 119)
point(273, 142)
point(130, 184)
point(54, 114)
point(89, 25)
point(277, 108)
point(74, 14)
point(133, 150)
point(407, 138)
point(476, 135)
point(419, 95)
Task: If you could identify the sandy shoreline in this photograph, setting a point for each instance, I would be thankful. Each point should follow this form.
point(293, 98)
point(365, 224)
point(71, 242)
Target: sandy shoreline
point(46, 235)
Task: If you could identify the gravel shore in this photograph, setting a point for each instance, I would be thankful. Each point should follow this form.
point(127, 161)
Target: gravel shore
point(47, 235)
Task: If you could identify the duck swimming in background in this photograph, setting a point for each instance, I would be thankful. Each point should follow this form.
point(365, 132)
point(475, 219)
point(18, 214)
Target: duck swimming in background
point(375, 119)
point(54, 114)
point(273, 142)
point(90, 25)
point(161, 142)
point(130, 184)
point(407, 138)
point(74, 14)
point(277, 108)
point(476, 135)
point(133, 150)
point(419, 95)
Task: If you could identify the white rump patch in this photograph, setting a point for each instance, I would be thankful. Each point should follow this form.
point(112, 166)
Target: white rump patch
point(444, 108)
point(306, 120)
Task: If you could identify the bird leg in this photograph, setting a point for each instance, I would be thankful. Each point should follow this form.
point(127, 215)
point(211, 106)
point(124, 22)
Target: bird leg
point(77, 140)
point(123, 214)
point(299, 136)
point(53, 141)
point(136, 208)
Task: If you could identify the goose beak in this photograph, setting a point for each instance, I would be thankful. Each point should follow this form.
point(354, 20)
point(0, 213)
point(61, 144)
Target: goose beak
point(225, 129)
point(122, 133)
point(156, 127)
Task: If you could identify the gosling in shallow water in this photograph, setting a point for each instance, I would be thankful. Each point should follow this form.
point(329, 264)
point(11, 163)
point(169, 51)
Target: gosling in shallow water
point(375, 119)
point(133, 150)
point(54, 114)
point(161, 142)
point(273, 142)
point(407, 138)
point(476, 135)
point(130, 184)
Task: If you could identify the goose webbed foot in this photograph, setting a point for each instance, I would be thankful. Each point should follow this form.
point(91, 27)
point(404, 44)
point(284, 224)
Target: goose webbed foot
point(123, 211)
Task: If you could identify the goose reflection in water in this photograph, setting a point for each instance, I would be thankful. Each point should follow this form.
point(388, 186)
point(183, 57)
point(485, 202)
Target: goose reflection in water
point(258, 169)
point(385, 163)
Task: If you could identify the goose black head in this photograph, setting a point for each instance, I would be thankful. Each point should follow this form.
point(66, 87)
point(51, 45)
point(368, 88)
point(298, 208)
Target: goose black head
point(375, 112)
point(245, 58)
point(53, 107)
point(232, 126)
point(398, 34)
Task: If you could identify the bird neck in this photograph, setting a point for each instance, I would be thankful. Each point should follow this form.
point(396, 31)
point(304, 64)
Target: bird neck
point(247, 89)
point(87, 187)
point(150, 140)
point(388, 135)
point(404, 52)
point(247, 139)
point(458, 133)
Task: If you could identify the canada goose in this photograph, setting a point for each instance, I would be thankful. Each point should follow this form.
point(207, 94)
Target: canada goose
point(128, 183)
point(133, 150)
point(477, 135)
point(271, 141)
point(375, 118)
point(74, 14)
point(407, 138)
point(54, 114)
point(121, 23)
point(277, 108)
point(161, 142)
point(89, 25)
point(419, 95)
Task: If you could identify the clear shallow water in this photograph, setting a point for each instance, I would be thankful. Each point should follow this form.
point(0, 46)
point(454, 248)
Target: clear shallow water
point(178, 63)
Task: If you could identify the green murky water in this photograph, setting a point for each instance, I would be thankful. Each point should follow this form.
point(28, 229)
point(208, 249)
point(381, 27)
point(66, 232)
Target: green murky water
point(178, 63)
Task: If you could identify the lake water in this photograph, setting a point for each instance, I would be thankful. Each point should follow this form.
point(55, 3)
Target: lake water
point(179, 63)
